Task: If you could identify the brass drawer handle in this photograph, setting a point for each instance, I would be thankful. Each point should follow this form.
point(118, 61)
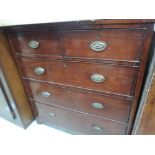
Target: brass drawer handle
point(46, 94)
point(98, 78)
point(39, 70)
point(98, 46)
point(98, 128)
point(51, 114)
point(34, 44)
point(97, 105)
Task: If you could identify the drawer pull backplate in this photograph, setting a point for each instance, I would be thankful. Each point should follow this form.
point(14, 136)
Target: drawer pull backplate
point(98, 46)
point(97, 105)
point(46, 94)
point(33, 44)
point(98, 78)
point(51, 114)
point(97, 128)
point(39, 70)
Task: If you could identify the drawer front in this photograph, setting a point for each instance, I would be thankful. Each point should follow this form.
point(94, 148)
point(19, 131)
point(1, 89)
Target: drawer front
point(112, 45)
point(79, 123)
point(98, 105)
point(99, 77)
point(117, 44)
point(43, 42)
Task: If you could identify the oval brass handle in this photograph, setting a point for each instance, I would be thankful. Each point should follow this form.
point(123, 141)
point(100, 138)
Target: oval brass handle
point(33, 44)
point(98, 46)
point(98, 78)
point(46, 94)
point(97, 105)
point(39, 70)
point(51, 114)
point(98, 128)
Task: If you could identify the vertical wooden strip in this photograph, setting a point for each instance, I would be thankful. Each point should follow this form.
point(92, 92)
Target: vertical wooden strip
point(144, 58)
point(14, 81)
point(145, 120)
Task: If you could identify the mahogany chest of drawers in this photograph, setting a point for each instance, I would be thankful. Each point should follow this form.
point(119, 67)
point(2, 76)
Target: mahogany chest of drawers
point(83, 77)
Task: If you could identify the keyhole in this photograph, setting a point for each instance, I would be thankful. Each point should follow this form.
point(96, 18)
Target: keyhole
point(98, 36)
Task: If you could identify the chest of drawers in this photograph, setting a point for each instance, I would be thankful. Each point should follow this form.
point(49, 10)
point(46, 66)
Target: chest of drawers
point(83, 77)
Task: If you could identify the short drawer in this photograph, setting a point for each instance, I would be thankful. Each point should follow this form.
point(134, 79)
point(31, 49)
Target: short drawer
point(39, 43)
point(109, 44)
point(90, 103)
point(77, 122)
point(98, 77)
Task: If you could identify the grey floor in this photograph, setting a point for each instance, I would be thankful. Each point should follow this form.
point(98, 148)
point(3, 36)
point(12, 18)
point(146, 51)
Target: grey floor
point(36, 139)
point(43, 140)
point(34, 129)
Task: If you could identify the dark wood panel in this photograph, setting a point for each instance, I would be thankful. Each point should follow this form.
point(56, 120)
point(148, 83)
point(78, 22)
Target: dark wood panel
point(145, 117)
point(121, 44)
point(14, 82)
point(125, 21)
point(119, 80)
point(77, 122)
point(115, 109)
point(89, 24)
point(140, 77)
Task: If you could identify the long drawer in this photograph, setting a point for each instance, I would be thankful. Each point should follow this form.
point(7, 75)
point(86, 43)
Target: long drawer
point(98, 105)
point(98, 77)
point(77, 122)
point(110, 44)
